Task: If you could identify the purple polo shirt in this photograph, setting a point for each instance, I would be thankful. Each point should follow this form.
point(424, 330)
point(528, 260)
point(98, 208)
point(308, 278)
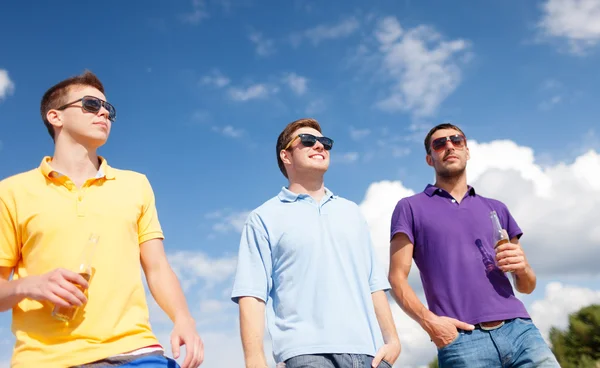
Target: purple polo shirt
point(454, 251)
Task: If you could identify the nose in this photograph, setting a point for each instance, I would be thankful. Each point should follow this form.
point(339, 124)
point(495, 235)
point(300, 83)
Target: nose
point(103, 112)
point(319, 146)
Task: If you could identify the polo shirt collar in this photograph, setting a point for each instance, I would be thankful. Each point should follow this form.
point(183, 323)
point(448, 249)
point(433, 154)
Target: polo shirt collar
point(104, 171)
point(430, 190)
point(286, 195)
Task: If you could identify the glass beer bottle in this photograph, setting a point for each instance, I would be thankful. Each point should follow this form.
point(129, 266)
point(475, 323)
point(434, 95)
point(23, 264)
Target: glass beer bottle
point(84, 268)
point(500, 235)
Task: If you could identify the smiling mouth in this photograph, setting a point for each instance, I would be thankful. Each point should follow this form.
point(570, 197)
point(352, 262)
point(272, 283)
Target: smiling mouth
point(320, 157)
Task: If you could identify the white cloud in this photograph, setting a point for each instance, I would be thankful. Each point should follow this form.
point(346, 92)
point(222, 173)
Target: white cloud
point(228, 131)
point(315, 107)
point(358, 134)
point(560, 301)
point(198, 13)
point(575, 21)
point(255, 91)
point(318, 34)
point(7, 86)
point(424, 69)
point(551, 204)
point(296, 83)
point(264, 46)
point(215, 78)
point(550, 103)
point(227, 221)
point(192, 267)
point(345, 157)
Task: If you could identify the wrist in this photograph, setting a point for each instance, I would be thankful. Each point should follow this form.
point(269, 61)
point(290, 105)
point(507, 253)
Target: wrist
point(184, 318)
point(19, 289)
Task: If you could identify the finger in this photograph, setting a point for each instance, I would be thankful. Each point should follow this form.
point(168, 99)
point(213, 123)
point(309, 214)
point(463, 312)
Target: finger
point(56, 300)
point(507, 253)
point(67, 296)
point(462, 325)
point(200, 352)
point(506, 246)
point(510, 261)
point(513, 267)
point(378, 357)
point(189, 353)
point(73, 290)
point(175, 345)
point(197, 354)
point(75, 278)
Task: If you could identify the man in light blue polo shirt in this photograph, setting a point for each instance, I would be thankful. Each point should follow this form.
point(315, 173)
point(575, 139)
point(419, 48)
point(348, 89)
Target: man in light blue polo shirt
point(306, 257)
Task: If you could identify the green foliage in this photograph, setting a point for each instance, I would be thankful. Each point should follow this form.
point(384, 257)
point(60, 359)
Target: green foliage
point(579, 345)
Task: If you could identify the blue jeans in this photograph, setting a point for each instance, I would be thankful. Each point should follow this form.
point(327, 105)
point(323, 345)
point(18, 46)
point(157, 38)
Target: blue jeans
point(145, 361)
point(517, 343)
point(333, 361)
point(152, 362)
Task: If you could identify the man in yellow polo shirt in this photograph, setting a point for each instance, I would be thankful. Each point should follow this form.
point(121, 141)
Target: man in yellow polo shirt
point(46, 217)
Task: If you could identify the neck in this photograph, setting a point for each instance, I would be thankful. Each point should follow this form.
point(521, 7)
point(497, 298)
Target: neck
point(456, 185)
point(313, 186)
point(79, 163)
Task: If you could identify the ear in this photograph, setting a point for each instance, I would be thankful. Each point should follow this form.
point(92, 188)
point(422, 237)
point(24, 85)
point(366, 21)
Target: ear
point(285, 156)
point(54, 117)
point(429, 159)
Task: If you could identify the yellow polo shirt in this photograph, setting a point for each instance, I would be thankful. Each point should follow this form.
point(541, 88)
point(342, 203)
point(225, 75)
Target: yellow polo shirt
point(45, 221)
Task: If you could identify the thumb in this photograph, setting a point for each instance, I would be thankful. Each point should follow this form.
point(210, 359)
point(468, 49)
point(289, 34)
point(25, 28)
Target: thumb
point(462, 325)
point(378, 357)
point(175, 345)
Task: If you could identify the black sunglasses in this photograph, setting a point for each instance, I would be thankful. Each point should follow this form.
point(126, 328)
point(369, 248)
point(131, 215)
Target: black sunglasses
point(309, 140)
point(94, 104)
point(458, 141)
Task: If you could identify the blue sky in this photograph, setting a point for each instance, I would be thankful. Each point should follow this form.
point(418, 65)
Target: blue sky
point(203, 88)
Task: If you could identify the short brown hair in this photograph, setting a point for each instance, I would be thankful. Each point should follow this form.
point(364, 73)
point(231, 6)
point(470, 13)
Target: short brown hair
point(435, 129)
point(286, 135)
point(57, 94)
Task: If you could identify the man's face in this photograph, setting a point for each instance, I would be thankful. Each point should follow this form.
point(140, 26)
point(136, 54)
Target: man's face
point(85, 127)
point(302, 158)
point(450, 158)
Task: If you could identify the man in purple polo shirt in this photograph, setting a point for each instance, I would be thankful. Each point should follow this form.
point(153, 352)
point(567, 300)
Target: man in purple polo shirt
point(474, 318)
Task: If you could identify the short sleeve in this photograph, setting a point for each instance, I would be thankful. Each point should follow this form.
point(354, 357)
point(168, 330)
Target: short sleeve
point(509, 223)
point(254, 267)
point(378, 277)
point(148, 225)
point(403, 220)
point(10, 249)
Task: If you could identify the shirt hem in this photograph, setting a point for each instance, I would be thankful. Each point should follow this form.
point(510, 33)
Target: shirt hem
point(151, 236)
point(305, 350)
point(498, 317)
point(237, 294)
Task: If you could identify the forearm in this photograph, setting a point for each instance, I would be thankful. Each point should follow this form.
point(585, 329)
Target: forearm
point(407, 299)
point(252, 321)
point(167, 292)
point(384, 317)
point(525, 280)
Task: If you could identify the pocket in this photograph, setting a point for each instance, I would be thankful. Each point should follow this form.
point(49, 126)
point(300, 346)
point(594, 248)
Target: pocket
point(384, 364)
point(451, 342)
point(525, 321)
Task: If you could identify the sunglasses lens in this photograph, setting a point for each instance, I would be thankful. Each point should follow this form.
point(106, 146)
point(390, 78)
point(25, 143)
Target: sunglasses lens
point(112, 113)
point(326, 142)
point(308, 140)
point(91, 104)
point(457, 140)
point(439, 143)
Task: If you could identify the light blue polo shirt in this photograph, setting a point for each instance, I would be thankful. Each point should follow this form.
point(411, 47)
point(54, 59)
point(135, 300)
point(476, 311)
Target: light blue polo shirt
point(314, 266)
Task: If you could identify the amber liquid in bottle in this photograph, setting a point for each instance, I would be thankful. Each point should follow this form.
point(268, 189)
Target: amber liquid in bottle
point(67, 314)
